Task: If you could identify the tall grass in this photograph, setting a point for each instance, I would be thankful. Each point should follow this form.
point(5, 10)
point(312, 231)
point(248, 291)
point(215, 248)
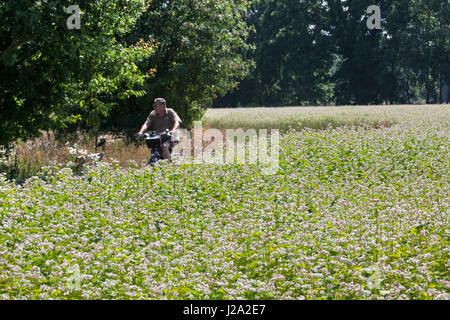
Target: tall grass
point(28, 158)
point(285, 118)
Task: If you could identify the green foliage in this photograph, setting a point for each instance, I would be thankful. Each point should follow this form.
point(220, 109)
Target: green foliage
point(107, 74)
point(200, 54)
point(394, 64)
point(51, 76)
point(293, 55)
point(321, 52)
point(293, 52)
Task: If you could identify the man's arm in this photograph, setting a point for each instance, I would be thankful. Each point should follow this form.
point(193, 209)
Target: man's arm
point(143, 129)
point(176, 120)
point(176, 125)
point(146, 125)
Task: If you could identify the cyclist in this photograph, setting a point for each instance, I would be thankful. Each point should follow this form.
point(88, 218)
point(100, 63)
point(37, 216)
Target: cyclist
point(160, 119)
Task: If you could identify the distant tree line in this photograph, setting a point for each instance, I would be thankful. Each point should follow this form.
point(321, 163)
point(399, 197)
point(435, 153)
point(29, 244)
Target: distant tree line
point(313, 52)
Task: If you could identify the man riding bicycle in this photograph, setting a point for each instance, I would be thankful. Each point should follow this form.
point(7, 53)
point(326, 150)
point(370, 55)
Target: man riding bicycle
point(160, 119)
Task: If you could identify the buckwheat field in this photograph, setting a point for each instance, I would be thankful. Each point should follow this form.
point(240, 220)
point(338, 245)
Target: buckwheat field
point(354, 212)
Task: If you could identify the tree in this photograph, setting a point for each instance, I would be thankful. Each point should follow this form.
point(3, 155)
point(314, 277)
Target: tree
point(431, 46)
point(51, 76)
point(358, 77)
point(200, 54)
point(300, 45)
point(293, 58)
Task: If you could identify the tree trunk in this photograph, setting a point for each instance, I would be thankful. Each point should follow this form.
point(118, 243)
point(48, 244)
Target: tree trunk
point(408, 94)
point(441, 85)
point(393, 84)
point(95, 140)
point(448, 91)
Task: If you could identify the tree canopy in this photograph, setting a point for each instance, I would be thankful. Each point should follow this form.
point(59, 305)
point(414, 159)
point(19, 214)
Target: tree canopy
point(51, 76)
point(196, 54)
point(201, 53)
point(322, 52)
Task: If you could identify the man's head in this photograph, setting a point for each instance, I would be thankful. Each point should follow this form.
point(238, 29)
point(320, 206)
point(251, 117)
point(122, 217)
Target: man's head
point(160, 106)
